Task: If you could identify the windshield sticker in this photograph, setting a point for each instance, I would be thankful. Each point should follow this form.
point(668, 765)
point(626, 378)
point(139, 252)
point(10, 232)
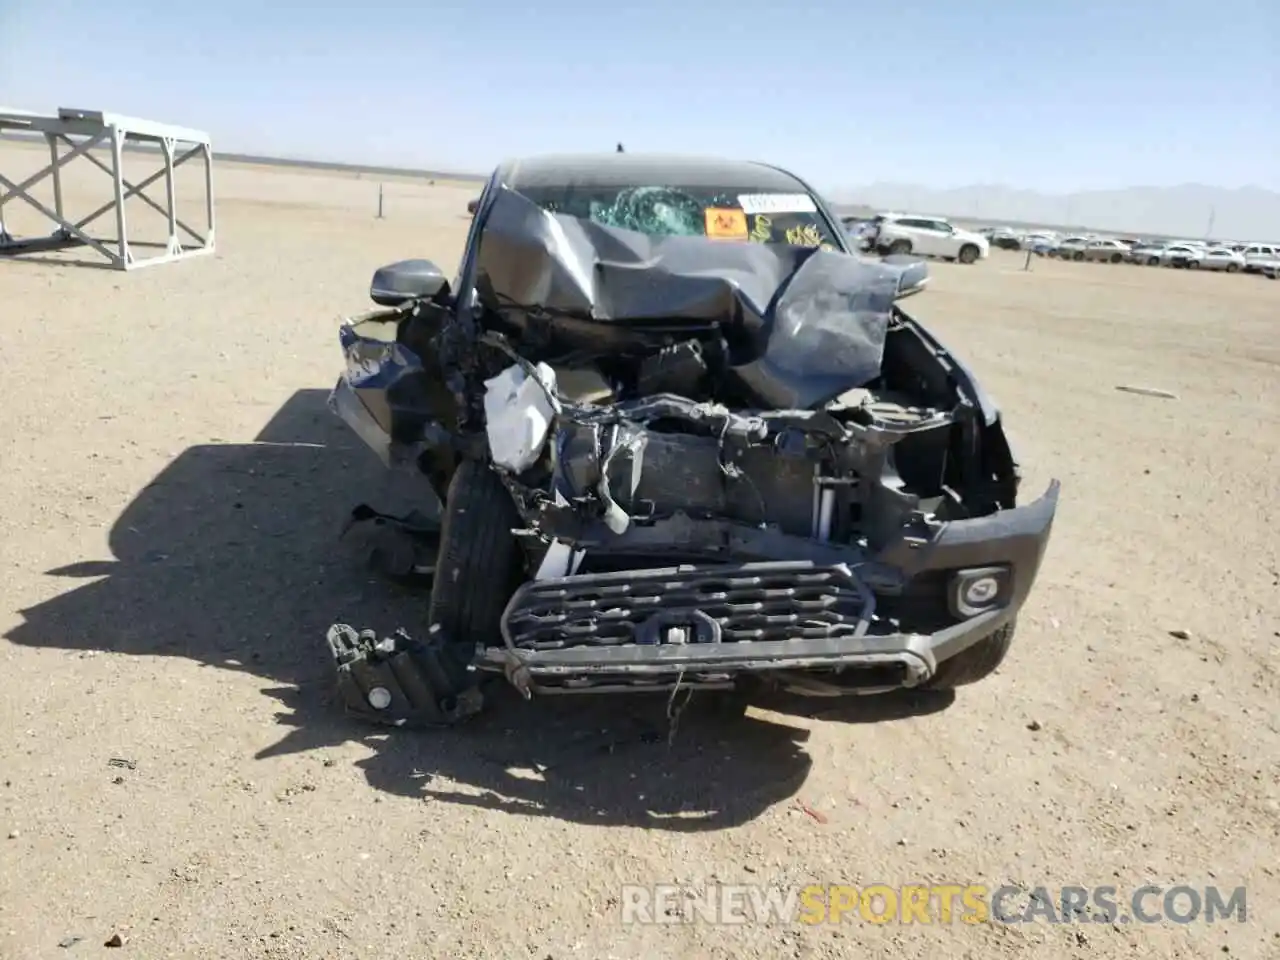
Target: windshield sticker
point(726, 223)
point(805, 235)
point(762, 230)
point(777, 203)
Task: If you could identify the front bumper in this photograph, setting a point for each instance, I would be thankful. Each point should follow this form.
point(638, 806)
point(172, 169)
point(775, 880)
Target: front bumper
point(710, 625)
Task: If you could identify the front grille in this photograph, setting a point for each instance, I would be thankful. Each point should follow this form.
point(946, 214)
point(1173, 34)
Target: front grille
point(745, 603)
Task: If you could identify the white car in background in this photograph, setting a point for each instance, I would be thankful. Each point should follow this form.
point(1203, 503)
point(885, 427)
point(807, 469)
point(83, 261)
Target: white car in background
point(1223, 258)
point(1268, 268)
point(1072, 248)
point(1146, 253)
point(1104, 250)
point(1258, 254)
point(1187, 255)
point(928, 237)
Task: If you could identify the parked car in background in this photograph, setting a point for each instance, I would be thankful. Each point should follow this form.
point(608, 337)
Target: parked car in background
point(1071, 248)
point(861, 231)
point(1222, 258)
point(1187, 255)
point(1256, 254)
point(928, 237)
point(1041, 244)
point(1268, 267)
point(1104, 251)
point(1006, 238)
point(1146, 252)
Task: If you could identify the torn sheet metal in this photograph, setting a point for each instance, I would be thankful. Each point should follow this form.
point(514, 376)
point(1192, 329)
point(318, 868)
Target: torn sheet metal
point(808, 323)
point(519, 407)
point(380, 395)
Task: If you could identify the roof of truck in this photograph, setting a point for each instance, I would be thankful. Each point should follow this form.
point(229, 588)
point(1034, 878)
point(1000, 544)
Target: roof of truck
point(629, 169)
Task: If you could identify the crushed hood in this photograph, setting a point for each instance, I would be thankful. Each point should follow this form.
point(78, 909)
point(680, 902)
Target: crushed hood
point(807, 323)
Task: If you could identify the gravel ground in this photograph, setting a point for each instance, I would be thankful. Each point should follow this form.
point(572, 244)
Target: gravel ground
point(174, 769)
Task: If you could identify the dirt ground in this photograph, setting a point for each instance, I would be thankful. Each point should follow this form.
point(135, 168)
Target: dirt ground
point(174, 768)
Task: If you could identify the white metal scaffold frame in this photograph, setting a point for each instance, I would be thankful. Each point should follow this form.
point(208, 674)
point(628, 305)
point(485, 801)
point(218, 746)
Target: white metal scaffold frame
point(93, 128)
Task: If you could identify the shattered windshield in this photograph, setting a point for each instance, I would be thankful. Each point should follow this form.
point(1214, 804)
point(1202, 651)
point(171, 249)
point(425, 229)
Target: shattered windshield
point(719, 213)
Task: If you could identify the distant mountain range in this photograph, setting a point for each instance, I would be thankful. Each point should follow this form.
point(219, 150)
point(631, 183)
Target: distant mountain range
point(1189, 210)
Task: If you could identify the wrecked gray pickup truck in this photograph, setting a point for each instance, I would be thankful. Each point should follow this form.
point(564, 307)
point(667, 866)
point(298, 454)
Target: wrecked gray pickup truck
point(682, 436)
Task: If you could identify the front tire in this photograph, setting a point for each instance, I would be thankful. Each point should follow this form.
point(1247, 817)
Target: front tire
point(968, 254)
point(974, 664)
point(478, 567)
point(900, 246)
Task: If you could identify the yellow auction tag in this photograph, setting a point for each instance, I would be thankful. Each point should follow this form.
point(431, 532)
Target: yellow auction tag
point(726, 223)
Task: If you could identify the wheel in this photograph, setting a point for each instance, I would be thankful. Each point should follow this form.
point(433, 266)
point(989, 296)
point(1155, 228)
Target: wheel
point(478, 567)
point(1078, 255)
point(1193, 264)
point(1116, 258)
point(900, 246)
point(976, 663)
point(1153, 261)
point(968, 253)
point(1233, 267)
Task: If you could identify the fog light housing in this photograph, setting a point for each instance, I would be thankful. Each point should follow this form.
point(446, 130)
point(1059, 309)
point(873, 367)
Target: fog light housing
point(379, 698)
point(978, 590)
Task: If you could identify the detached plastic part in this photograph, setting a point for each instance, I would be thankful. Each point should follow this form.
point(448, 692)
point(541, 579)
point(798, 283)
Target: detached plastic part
point(518, 410)
point(400, 682)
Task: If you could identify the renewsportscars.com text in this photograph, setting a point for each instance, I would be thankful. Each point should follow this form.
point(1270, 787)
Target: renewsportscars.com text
point(933, 903)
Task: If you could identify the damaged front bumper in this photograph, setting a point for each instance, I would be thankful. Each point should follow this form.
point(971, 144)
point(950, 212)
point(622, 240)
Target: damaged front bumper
point(831, 623)
point(702, 600)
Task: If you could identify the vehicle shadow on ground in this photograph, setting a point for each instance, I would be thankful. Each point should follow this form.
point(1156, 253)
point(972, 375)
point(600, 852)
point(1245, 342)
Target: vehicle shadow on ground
point(231, 557)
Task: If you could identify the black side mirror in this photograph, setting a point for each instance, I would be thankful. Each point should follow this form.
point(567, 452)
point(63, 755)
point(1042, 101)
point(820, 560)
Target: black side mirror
point(473, 206)
point(407, 280)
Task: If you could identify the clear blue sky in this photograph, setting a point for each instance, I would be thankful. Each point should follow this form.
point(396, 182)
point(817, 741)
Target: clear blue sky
point(1054, 96)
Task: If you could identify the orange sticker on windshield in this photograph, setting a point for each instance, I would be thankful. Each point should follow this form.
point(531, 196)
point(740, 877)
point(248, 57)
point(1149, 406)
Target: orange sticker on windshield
point(726, 223)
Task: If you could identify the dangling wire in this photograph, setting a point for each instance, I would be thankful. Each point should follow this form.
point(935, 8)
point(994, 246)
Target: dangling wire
point(674, 710)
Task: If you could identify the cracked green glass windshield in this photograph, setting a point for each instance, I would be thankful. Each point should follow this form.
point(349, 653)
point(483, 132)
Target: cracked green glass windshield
point(719, 213)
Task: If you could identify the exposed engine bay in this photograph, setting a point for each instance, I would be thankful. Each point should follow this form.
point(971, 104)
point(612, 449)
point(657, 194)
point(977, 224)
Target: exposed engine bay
point(726, 380)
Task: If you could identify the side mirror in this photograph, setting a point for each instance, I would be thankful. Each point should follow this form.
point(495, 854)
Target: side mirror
point(406, 280)
point(473, 206)
point(913, 273)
